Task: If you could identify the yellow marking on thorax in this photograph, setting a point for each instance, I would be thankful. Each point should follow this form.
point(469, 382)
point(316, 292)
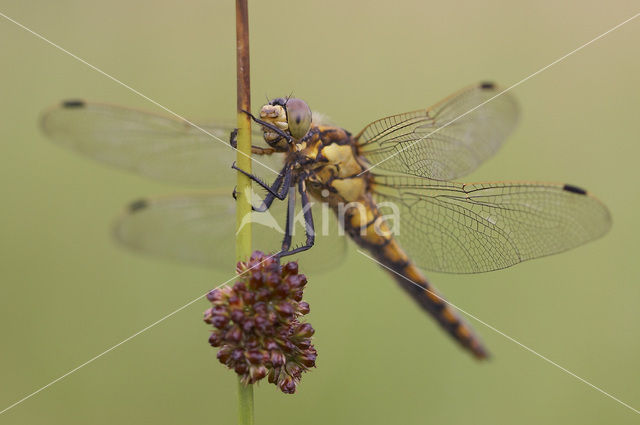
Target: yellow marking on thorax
point(309, 148)
point(342, 156)
point(350, 190)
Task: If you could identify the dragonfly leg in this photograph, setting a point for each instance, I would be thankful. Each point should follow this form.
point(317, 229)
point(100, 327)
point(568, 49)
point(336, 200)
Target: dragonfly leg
point(278, 190)
point(257, 150)
point(270, 126)
point(308, 223)
point(285, 177)
point(288, 228)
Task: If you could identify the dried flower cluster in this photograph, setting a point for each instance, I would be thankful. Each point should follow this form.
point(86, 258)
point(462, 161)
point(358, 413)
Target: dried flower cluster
point(256, 323)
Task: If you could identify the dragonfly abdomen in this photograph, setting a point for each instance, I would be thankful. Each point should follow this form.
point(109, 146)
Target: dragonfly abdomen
point(374, 235)
point(416, 285)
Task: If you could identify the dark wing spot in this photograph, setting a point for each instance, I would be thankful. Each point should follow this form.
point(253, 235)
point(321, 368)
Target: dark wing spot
point(138, 205)
point(73, 104)
point(298, 119)
point(574, 189)
point(487, 85)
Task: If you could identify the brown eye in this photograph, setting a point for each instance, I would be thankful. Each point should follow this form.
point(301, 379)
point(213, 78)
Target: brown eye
point(298, 117)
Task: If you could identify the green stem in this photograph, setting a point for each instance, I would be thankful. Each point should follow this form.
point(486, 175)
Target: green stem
point(245, 403)
point(243, 204)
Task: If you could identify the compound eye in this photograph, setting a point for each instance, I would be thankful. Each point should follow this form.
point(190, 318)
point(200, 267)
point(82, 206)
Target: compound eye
point(298, 117)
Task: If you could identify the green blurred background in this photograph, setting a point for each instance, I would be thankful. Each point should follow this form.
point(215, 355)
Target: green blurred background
point(68, 292)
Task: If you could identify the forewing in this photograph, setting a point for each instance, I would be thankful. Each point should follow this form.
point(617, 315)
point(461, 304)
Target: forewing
point(470, 228)
point(155, 146)
point(445, 141)
point(199, 229)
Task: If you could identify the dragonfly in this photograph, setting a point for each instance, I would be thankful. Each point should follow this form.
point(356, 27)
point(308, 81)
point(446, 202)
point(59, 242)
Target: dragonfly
point(391, 188)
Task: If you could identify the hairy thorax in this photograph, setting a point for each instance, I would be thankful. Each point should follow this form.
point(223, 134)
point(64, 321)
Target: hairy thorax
point(326, 158)
point(334, 173)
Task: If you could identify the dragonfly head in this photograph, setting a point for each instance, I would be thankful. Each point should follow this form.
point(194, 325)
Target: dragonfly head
point(290, 115)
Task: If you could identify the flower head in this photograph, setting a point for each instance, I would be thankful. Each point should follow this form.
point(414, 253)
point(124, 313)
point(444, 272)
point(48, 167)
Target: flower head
point(256, 323)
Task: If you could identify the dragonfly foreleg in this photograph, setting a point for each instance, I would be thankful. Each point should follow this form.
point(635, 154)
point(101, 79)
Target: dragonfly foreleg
point(278, 190)
point(257, 150)
point(285, 181)
point(308, 223)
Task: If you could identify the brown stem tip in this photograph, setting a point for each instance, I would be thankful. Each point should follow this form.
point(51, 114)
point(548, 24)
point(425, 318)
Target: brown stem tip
point(257, 323)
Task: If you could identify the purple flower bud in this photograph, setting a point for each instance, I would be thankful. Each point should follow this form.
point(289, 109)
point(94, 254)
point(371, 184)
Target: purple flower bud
point(272, 266)
point(257, 373)
point(287, 385)
point(237, 355)
point(219, 322)
point(256, 279)
point(207, 315)
point(308, 359)
point(248, 325)
point(224, 354)
point(263, 294)
point(304, 308)
point(272, 280)
point(285, 309)
point(234, 334)
point(241, 266)
point(235, 301)
point(282, 290)
point(215, 339)
point(215, 296)
point(304, 330)
point(288, 346)
point(277, 358)
point(257, 257)
point(220, 310)
point(260, 307)
point(261, 323)
point(297, 295)
point(303, 344)
point(294, 370)
point(252, 342)
point(241, 368)
point(254, 356)
point(237, 315)
point(270, 344)
point(297, 281)
point(273, 373)
point(291, 268)
point(249, 297)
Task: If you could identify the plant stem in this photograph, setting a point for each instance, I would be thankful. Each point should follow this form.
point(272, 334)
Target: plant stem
point(243, 204)
point(245, 404)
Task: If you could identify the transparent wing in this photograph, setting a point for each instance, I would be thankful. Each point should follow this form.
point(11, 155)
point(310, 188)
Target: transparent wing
point(199, 229)
point(152, 145)
point(445, 141)
point(469, 228)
